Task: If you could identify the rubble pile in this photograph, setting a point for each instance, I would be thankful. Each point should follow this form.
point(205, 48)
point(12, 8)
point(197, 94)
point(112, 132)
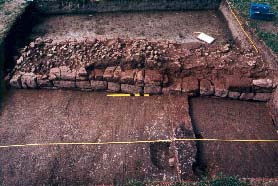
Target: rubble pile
point(40, 56)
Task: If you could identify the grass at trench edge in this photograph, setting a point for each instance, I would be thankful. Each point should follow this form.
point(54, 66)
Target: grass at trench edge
point(270, 39)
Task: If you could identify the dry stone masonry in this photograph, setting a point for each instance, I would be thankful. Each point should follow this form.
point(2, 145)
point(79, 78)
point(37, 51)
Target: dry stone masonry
point(137, 66)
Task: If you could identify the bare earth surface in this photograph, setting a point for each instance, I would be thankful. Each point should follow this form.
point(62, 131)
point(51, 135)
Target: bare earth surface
point(69, 116)
point(9, 10)
point(173, 26)
point(226, 119)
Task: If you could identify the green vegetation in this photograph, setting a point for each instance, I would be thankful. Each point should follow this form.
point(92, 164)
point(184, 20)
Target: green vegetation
point(220, 181)
point(266, 30)
point(224, 181)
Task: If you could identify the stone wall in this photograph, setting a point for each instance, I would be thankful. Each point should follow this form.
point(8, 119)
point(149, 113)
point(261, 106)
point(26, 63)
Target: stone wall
point(134, 66)
point(115, 79)
point(91, 6)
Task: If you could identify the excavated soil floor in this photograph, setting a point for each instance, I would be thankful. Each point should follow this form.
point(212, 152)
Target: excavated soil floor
point(227, 119)
point(172, 26)
point(71, 116)
point(40, 116)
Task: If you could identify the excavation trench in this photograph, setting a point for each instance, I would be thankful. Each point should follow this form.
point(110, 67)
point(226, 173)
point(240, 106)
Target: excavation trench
point(152, 52)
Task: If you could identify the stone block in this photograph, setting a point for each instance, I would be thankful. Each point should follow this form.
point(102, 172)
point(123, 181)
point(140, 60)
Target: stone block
point(82, 72)
point(263, 83)
point(152, 89)
point(263, 86)
point(84, 85)
point(16, 81)
point(44, 83)
point(262, 96)
point(175, 86)
point(190, 85)
point(109, 73)
point(127, 77)
point(82, 78)
point(98, 85)
point(29, 80)
point(234, 95)
point(67, 73)
point(139, 78)
point(246, 96)
point(153, 77)
point(206, 88)
point(220, 89)
point(114, 87)
point(96, 74)
point(126, 88)
point(165, 90)
point(54, 74)
point(237, 84)
point(64, 84)
point(117, 74)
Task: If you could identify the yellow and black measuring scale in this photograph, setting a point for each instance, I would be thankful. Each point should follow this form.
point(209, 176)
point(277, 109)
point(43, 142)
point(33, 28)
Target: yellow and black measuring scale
point(128, 95)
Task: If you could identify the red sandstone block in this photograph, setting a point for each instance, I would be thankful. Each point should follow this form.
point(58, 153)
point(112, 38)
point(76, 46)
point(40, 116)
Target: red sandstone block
point(234, 95)
point(97, 74)
point(117, 74)
point(127, 77)
point(98, 85)
point(67, 73)
point(64, 84)
point(109, 73)
point(153, 77)
point(237, 84)
point(139, 77)
point(83, 85)
point(220, 88)
point(152, 89)
point(262, 96)
point(206, 88)
point(43, 83)
point(246, 96)
point(175, 86)
point(190, 85)
point(114, 87)
point(130, 88)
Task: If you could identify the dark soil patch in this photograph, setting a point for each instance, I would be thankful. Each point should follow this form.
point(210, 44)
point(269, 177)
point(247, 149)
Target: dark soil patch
point(160, 155)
